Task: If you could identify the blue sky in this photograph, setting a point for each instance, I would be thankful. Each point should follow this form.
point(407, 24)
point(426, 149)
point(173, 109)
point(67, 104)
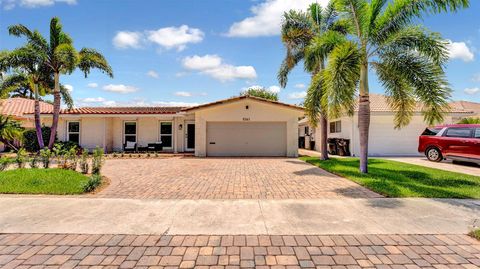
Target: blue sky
point(187, 51)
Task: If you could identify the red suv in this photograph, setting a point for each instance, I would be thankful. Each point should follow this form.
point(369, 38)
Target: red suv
point(459, 142)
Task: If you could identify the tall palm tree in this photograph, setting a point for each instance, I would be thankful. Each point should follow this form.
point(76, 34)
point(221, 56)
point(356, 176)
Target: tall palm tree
point(10, 131)
point(299, 31)
point(61, 57)
point(408, 60)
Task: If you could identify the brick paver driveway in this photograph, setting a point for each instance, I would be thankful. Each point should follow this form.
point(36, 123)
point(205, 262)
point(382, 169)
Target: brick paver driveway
point(282, 252)
point(225, 178)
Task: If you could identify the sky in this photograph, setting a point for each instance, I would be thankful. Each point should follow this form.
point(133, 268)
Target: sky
point(187, 52)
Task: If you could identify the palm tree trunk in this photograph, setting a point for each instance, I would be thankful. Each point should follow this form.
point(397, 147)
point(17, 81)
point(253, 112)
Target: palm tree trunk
point(56, 110)
point(324, 137)
point(38, 124)
point(364, 117)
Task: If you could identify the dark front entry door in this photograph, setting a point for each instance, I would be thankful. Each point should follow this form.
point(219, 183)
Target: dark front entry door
point(190, 136)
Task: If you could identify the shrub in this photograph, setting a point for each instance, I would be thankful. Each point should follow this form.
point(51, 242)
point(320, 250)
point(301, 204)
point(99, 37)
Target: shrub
point(61, 154)
point(84, 162)
point(97, 161)
point(4, 163)
point(21, 158)
point(45, 157)
point(69, 145)
point(475, 234)
point(34, 161)
point(72, 160)
point(30, 142)
point(93, 182)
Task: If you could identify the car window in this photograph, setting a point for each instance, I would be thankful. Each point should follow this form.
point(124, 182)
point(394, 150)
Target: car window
point(459, 132)
point(477, 133)
point(431, 131)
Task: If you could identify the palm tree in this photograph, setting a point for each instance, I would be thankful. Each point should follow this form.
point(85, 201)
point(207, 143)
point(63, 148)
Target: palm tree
point(470, 121)
point(61, 58)
point(408, 60)
point(10, 131)
point(300, 30)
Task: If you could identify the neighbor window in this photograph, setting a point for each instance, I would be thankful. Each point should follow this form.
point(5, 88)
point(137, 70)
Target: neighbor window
point(335, 126)
point(477, 133)
point(73, 131)
point(166, 134)
point(306, 130)
point(130, 131)
point(459, 132)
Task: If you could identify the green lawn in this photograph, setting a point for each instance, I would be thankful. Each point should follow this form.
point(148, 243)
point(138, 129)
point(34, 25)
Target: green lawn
point(42, 181)
point(396, 179)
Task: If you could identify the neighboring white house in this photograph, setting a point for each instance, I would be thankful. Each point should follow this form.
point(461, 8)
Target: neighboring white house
point(384, 139)
point(239, 126)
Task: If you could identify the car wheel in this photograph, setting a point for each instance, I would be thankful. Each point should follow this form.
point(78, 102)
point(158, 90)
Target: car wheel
point(434, 155)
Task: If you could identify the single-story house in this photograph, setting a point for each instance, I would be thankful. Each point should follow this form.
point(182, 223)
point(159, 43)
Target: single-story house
point(239, 126)
point(469, 106)
point(21, 109)
point(384, 139)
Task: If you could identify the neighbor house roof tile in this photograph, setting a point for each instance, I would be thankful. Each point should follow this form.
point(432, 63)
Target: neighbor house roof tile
point(18, 107)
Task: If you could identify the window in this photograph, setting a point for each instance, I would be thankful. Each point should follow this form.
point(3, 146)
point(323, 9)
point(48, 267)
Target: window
point(306, 130)
point(166, 134)
point(459, 132)
point(130, 131)
point(73, 131)
point(335, 126)
point(477, 133)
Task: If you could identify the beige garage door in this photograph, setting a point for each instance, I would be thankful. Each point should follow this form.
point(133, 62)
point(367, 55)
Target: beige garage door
point(246, 139)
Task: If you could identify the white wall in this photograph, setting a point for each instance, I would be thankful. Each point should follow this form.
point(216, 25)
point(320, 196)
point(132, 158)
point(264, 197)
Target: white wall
point(257, 112)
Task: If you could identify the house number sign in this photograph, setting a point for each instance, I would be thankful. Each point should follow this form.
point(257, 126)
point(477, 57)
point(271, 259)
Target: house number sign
point(246, 119)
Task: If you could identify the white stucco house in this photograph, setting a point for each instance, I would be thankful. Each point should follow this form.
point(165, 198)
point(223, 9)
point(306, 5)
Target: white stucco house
point(239, 126)
point(384, 139)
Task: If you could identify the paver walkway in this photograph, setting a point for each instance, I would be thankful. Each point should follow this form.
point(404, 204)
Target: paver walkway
point(155, 251)
point(225, 178)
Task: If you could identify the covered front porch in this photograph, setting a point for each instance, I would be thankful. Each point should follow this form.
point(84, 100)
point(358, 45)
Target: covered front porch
point(118, 133)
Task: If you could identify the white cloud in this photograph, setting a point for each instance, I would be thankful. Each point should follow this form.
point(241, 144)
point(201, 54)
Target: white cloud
point(183, 94)
point(92, 85)
point(120, 88)
point(460, 50)
point(136, 102)
point(267, 17)
point(213, 66)
point(274, 89)
point(10, 4)
point(175, 37)
point(152, 74)
point(68, 87)
point(297, 95)
point(472, 90)
point(92, 100)
point(173, 103)
point(126, 39)
point(299, 86)
point(196, 62)
point(476, 77)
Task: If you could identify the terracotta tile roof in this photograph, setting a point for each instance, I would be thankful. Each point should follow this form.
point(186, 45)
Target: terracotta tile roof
point(123, 110)
point(378, 103)
point(18, 107)
point(466, 105)
point(233, 99)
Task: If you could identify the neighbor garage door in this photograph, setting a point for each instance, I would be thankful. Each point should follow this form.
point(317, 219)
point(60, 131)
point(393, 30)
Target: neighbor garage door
point(246, 139)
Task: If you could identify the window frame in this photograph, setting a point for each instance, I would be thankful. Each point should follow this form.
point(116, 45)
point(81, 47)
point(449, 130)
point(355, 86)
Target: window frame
point(337, 127)
point(125, 134)
point(79, 130)
point(160, 133)
point(475, 130)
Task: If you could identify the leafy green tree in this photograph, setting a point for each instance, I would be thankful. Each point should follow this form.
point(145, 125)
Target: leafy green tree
point(261, 93)
point(469, 121)
point(10, 131)
point(407, 58)
point(61, 57)
point(301, 35)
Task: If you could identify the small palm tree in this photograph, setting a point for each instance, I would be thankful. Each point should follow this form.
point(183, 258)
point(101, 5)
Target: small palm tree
point(470, 121)
point(10, 131)
point(61, 57)
point(300, 30)
point(408, 60)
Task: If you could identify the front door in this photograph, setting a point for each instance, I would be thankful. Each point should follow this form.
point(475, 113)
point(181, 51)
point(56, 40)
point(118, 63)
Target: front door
point(190, 137)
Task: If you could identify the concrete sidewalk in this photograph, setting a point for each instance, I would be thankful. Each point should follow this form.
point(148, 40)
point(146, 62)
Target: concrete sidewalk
point(220, 217)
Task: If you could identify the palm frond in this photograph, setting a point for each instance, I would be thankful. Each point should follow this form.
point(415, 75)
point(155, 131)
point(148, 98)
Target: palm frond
point(341, 78)
point(427, 79)
point(90, 58)
point(66, 97)
point(66, 57)
point(320, 47)
point(313, 101)
point(355, 11)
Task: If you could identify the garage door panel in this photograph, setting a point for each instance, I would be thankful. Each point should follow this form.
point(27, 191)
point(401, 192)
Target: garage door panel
point(246, 139)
